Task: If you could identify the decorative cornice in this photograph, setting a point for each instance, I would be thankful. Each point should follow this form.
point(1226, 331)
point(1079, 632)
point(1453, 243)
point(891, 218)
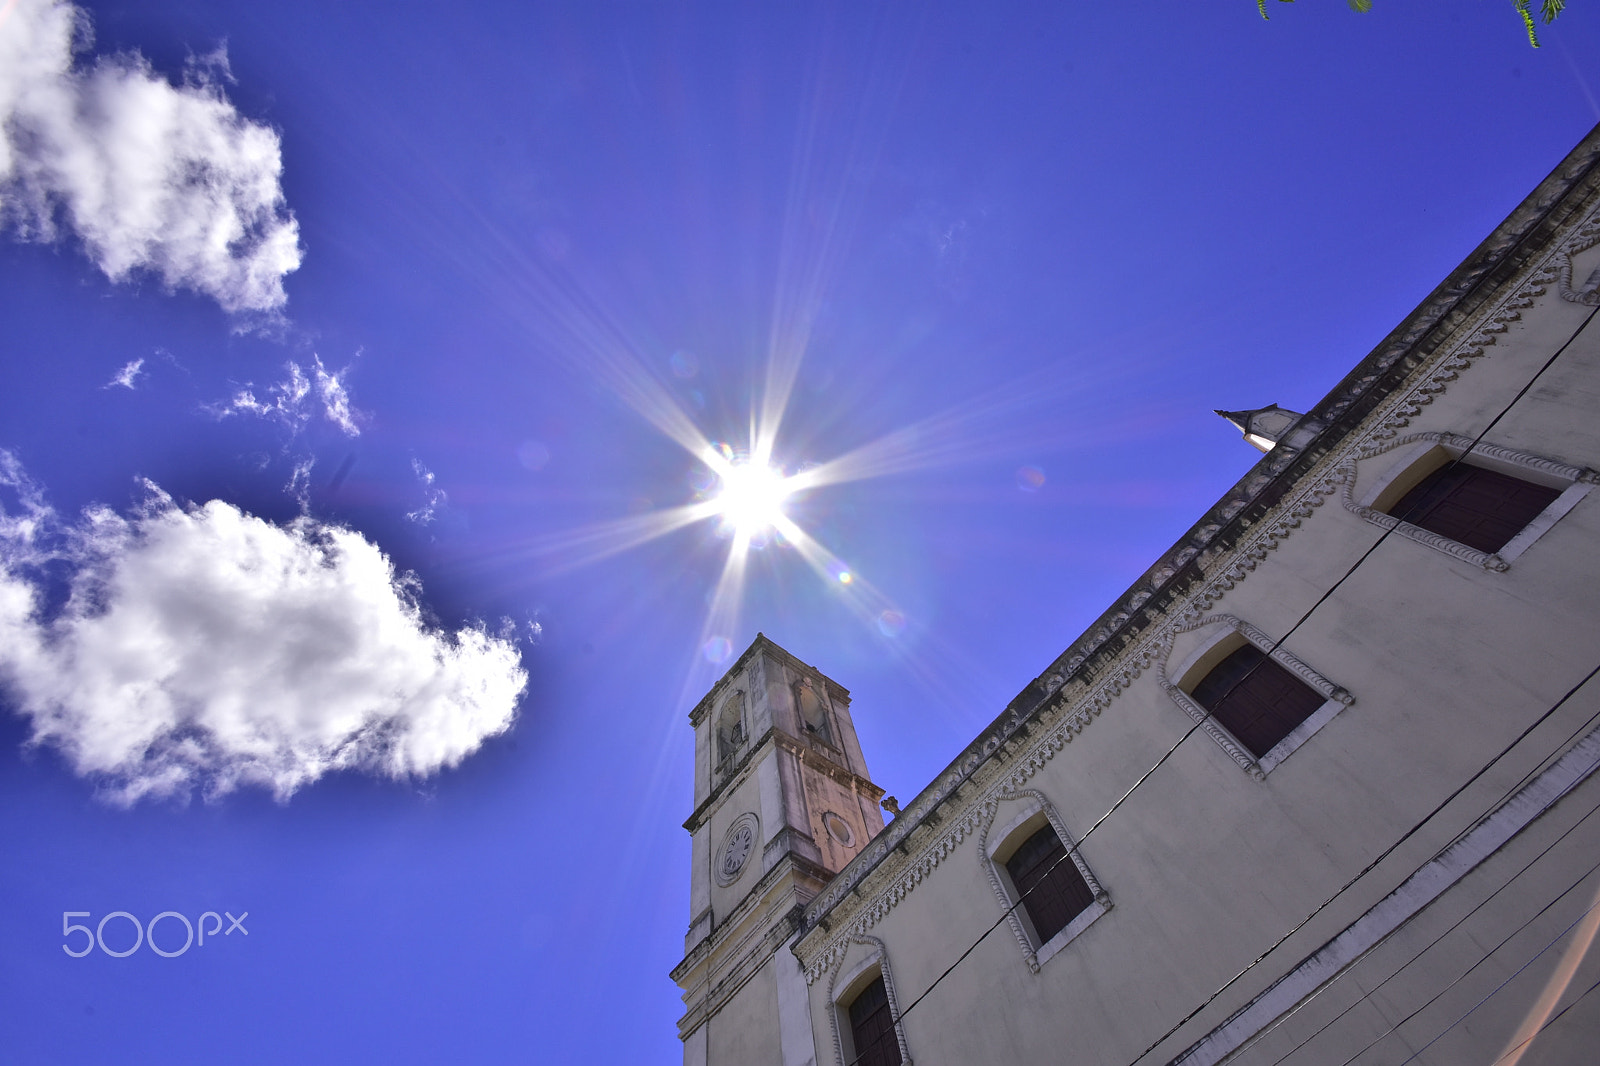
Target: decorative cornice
point(1589, 295)
point(807, 754)
point(762, 643)
point(1459, 321)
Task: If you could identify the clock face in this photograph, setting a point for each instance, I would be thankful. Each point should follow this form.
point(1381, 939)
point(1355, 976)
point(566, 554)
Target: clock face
point(736, 851)
point(736, 847)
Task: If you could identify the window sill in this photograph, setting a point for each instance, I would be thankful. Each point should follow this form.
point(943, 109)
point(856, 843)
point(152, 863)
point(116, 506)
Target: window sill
point(1300, 734)
point(1085, 918)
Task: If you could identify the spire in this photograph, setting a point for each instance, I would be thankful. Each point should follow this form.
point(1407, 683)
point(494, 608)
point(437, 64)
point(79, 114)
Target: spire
point(1265, 426)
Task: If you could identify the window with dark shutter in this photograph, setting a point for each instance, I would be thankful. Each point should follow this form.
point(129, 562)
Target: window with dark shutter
point(1255, 699)
point(872, 1027)
point(1052, 889)
point(1480, 508)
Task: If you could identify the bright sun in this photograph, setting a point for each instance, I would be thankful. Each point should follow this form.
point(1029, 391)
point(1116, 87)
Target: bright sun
point(751, 498)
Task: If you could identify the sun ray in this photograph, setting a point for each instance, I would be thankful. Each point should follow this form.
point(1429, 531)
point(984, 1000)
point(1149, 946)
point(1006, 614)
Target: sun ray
point(576, 548)
point(990, 425)
point(948, 677)
point(826, 194)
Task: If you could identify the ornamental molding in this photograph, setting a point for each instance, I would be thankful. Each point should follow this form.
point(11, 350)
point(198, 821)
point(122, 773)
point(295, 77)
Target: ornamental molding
point(1205, 554)
point(1030, 953)
point(1460, 446)
point(1587, 237)
point(1208, 722)
point(881, 954)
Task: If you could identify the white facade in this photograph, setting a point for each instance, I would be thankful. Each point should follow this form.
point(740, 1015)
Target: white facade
point(1411, 871)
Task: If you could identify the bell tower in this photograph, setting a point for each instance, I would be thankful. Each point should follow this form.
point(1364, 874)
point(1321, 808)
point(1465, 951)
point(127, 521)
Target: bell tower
point(782, 803)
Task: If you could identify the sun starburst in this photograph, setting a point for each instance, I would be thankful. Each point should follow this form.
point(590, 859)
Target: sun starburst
point(750, 496)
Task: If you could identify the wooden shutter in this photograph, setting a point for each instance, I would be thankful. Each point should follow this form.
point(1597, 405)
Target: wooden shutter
point(1480, 508)
point(1052, 889)
point(1255, 699)
point(872, 1027)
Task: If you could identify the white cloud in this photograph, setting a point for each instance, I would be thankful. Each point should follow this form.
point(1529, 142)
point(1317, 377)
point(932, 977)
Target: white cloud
point(150, 176)
point(297, 399)
point(436, 497)
point(203, 648)
point(299, 485)
point(127, 376)
point(335, 398)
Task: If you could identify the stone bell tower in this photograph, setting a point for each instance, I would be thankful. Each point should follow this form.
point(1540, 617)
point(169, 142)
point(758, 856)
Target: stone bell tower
point(782, 803)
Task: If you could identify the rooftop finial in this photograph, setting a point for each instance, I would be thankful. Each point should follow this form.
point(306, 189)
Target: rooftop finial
point(1265, 426)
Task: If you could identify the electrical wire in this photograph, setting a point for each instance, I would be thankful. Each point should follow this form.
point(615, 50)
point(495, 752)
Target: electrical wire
point(1423, 951)
point(1455, 461)
point(1281, 1019)
point(1321, 600)
point(1497, 988)
point(1547, 1024)
point(1407, 835)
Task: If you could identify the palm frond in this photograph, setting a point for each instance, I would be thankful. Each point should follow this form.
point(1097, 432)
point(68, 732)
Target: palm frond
point(1527, 20)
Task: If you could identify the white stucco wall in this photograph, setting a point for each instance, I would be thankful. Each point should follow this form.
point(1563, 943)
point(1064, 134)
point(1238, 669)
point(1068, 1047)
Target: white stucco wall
point(1207, 866)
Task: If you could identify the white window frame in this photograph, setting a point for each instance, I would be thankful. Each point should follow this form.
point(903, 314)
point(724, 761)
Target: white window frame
point(1027, 811)
point(1227, 635)
point(1415, 456)
point(847, 983)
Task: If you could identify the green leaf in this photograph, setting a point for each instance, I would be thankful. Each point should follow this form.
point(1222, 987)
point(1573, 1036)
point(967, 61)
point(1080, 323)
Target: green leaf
point(1551, 9)
point(1527, 20)
point(1360, 5)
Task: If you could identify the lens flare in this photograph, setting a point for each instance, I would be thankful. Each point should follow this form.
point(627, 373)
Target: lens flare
point(751, 498)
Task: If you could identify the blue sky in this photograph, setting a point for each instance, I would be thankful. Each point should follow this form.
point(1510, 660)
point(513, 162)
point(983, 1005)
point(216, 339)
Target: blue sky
point(345, 349)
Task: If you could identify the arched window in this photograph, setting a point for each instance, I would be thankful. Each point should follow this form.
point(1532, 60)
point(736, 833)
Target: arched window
point(863, 1009)
point(872, 1027)
point(1471, 499)
point(1471, 505)
point(1048, 892)
point(1255, 699)
point(813, 711)
point(731, 733)
point(1051, 887)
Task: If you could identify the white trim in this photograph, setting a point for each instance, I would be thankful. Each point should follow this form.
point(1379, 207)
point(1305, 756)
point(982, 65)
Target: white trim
point(1542, 522)
point(1173, 680)
point(1034, 813)
point(1084, 919)
point(1028, 804)
point(1405, 460)
point(1415, 448)
point(847, 984)
point(1426, 884)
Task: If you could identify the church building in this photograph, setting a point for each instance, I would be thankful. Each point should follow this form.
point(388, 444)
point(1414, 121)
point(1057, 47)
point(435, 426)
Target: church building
point(1319, 788)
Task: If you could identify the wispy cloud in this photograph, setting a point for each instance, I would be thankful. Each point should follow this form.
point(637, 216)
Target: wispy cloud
point(294, 401)
point(200, 648)
point(127, 376)
point(149, 175)
point(335, 398)
point(435, 496)
point(299, 485)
